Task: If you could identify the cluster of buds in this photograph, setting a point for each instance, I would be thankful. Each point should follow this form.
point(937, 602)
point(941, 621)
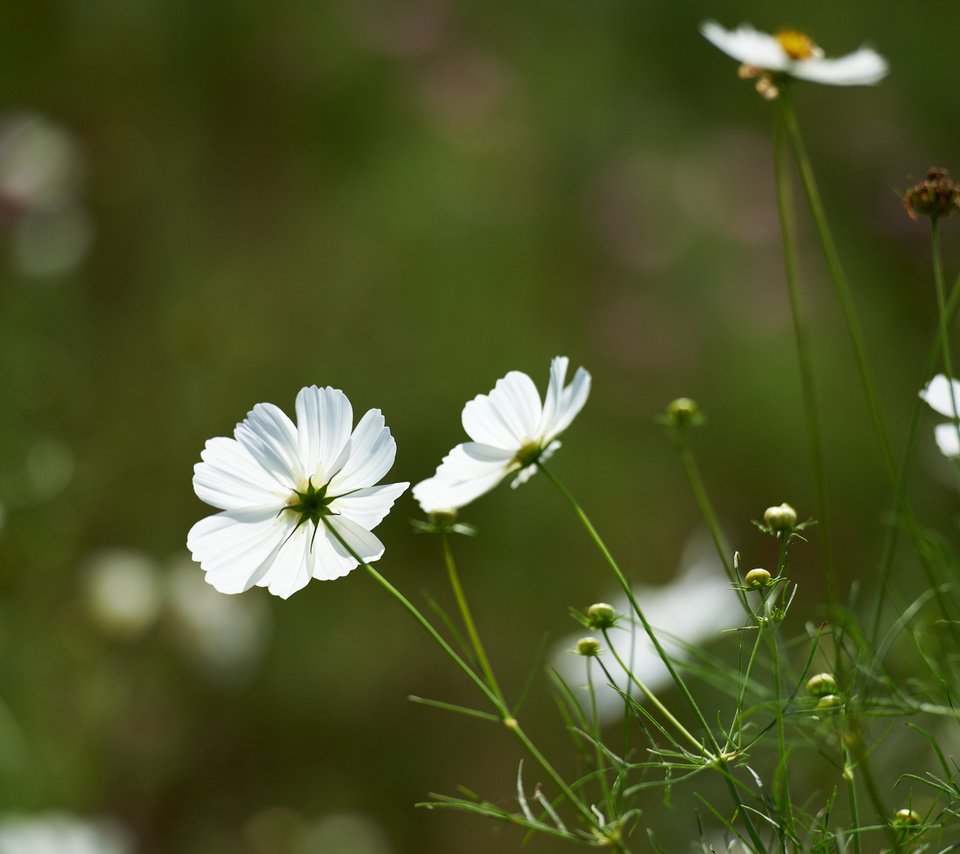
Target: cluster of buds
point(936, 196)
point(824, 687)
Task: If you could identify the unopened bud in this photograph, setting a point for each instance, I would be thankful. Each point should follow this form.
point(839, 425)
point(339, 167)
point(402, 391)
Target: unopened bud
point(829, 701)
point(588, 646)
point(822, 684)
point(906, 816)
point(781, 518)
point(683, 410)
point(758, 577)
point(601, 616)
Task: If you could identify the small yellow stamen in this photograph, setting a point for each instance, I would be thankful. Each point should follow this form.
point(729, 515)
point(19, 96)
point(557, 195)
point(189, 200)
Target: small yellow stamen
point(796, 45)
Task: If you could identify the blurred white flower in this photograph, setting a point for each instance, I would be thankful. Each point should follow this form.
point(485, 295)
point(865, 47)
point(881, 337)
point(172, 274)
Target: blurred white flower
point(225, 633)
point(279, 485)
point(791, 53)
point(39, 162)
point(53, 239)
point(942, 396)
point(122, 592)
point(60, 833)
point(343, 833)
point(512, 430)
point(695, 607)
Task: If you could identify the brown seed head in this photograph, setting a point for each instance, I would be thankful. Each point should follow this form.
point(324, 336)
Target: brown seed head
point(937, 195)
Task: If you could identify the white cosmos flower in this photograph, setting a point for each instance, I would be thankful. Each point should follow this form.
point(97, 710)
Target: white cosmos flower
point(941, 396)
point(61, 833)
point(511, 430)
point(791, 53)
point(279, 485)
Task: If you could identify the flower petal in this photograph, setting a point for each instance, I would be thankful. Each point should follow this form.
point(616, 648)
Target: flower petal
point(329, 564)
point(466, 473)
point(508, 416)
point(369, 455)
point(367, 507)
point(236, 548)
point(571, 402)
point(231, 479)
point(940, 395)
point(365, 543)
point(747, 45)
point(324, 421)
point(551, 400)
point(864, 67)
point(293, 566)
point(947, 439)
point(271, 439)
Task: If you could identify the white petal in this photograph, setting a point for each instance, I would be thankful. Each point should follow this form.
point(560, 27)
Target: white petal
point(864, 67)
point(745, 44)
point(236, 548)
point(508, 416)
point(230, 478)
point(948, 440)
point(367, 507)
point(571, 402)
point(271, 439)
point(363, 542)
point(525, 474)
point(941, 395)
point(293, 566)
point(466, 473)
point(324, 421)
point(330, 564)
point(551, 400)
point(370, 455)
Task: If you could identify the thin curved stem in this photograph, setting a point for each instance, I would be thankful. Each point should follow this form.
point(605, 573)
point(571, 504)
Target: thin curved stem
point(808, 387)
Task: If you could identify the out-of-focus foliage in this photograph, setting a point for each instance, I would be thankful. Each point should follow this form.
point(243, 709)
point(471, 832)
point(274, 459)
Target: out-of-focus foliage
point(223, 202)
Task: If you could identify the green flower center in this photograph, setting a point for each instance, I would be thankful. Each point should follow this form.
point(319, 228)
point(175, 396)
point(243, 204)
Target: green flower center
point(310, 504)
point(528, 454)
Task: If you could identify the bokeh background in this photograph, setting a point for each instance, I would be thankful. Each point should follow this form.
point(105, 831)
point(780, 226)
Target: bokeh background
point(210, 204)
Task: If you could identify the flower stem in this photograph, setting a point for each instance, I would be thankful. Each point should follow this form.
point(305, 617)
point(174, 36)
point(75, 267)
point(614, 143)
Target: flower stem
point(508, 720)
point(808, 388)
point(839, 280)
point(628, 590)
point(942, 312)
point(468, 620)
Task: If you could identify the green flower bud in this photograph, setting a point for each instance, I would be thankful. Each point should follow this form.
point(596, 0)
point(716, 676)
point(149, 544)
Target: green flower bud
point(588, 646)
point(822, 684)
point(683, 410)
point(907, 816)
point(829, 701)
point(601, 616)
point(758, 577)
point(780, 518)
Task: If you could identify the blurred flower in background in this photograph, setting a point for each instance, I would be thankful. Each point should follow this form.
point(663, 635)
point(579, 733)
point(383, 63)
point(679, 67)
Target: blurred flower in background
point(225, 635)
point(122, 592)
point(40, 174)
point(691, 610)
point(60, 833)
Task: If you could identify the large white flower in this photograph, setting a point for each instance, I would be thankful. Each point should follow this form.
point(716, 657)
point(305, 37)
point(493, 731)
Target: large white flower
point(279, 485)
point(943, 396)
point(791, 53)
point(511, 430)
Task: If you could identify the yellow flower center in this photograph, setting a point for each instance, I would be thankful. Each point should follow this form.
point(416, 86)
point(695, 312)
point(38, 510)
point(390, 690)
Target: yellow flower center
point(795, 44)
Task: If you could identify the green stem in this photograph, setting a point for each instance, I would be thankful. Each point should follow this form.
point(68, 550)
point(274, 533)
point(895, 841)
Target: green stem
point(810, 406)
point(631, 677)
point(468, 620)
point(595, 732)
point(508, 720)
point(839, 280)
point(852, 795)
point(942, 311)
point(784, 793)
point(628, 590)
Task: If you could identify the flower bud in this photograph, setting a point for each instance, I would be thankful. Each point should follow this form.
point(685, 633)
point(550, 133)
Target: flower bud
point(906, 816)
point(780, 518)
point(822, 684)
point(829, 701)
point(938, 195)
point(601, 616)
point(588, 647)
point(683, 410)
point(758, 577)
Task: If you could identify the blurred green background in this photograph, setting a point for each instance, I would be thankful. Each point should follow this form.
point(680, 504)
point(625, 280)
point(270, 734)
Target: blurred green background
point(405, 200)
